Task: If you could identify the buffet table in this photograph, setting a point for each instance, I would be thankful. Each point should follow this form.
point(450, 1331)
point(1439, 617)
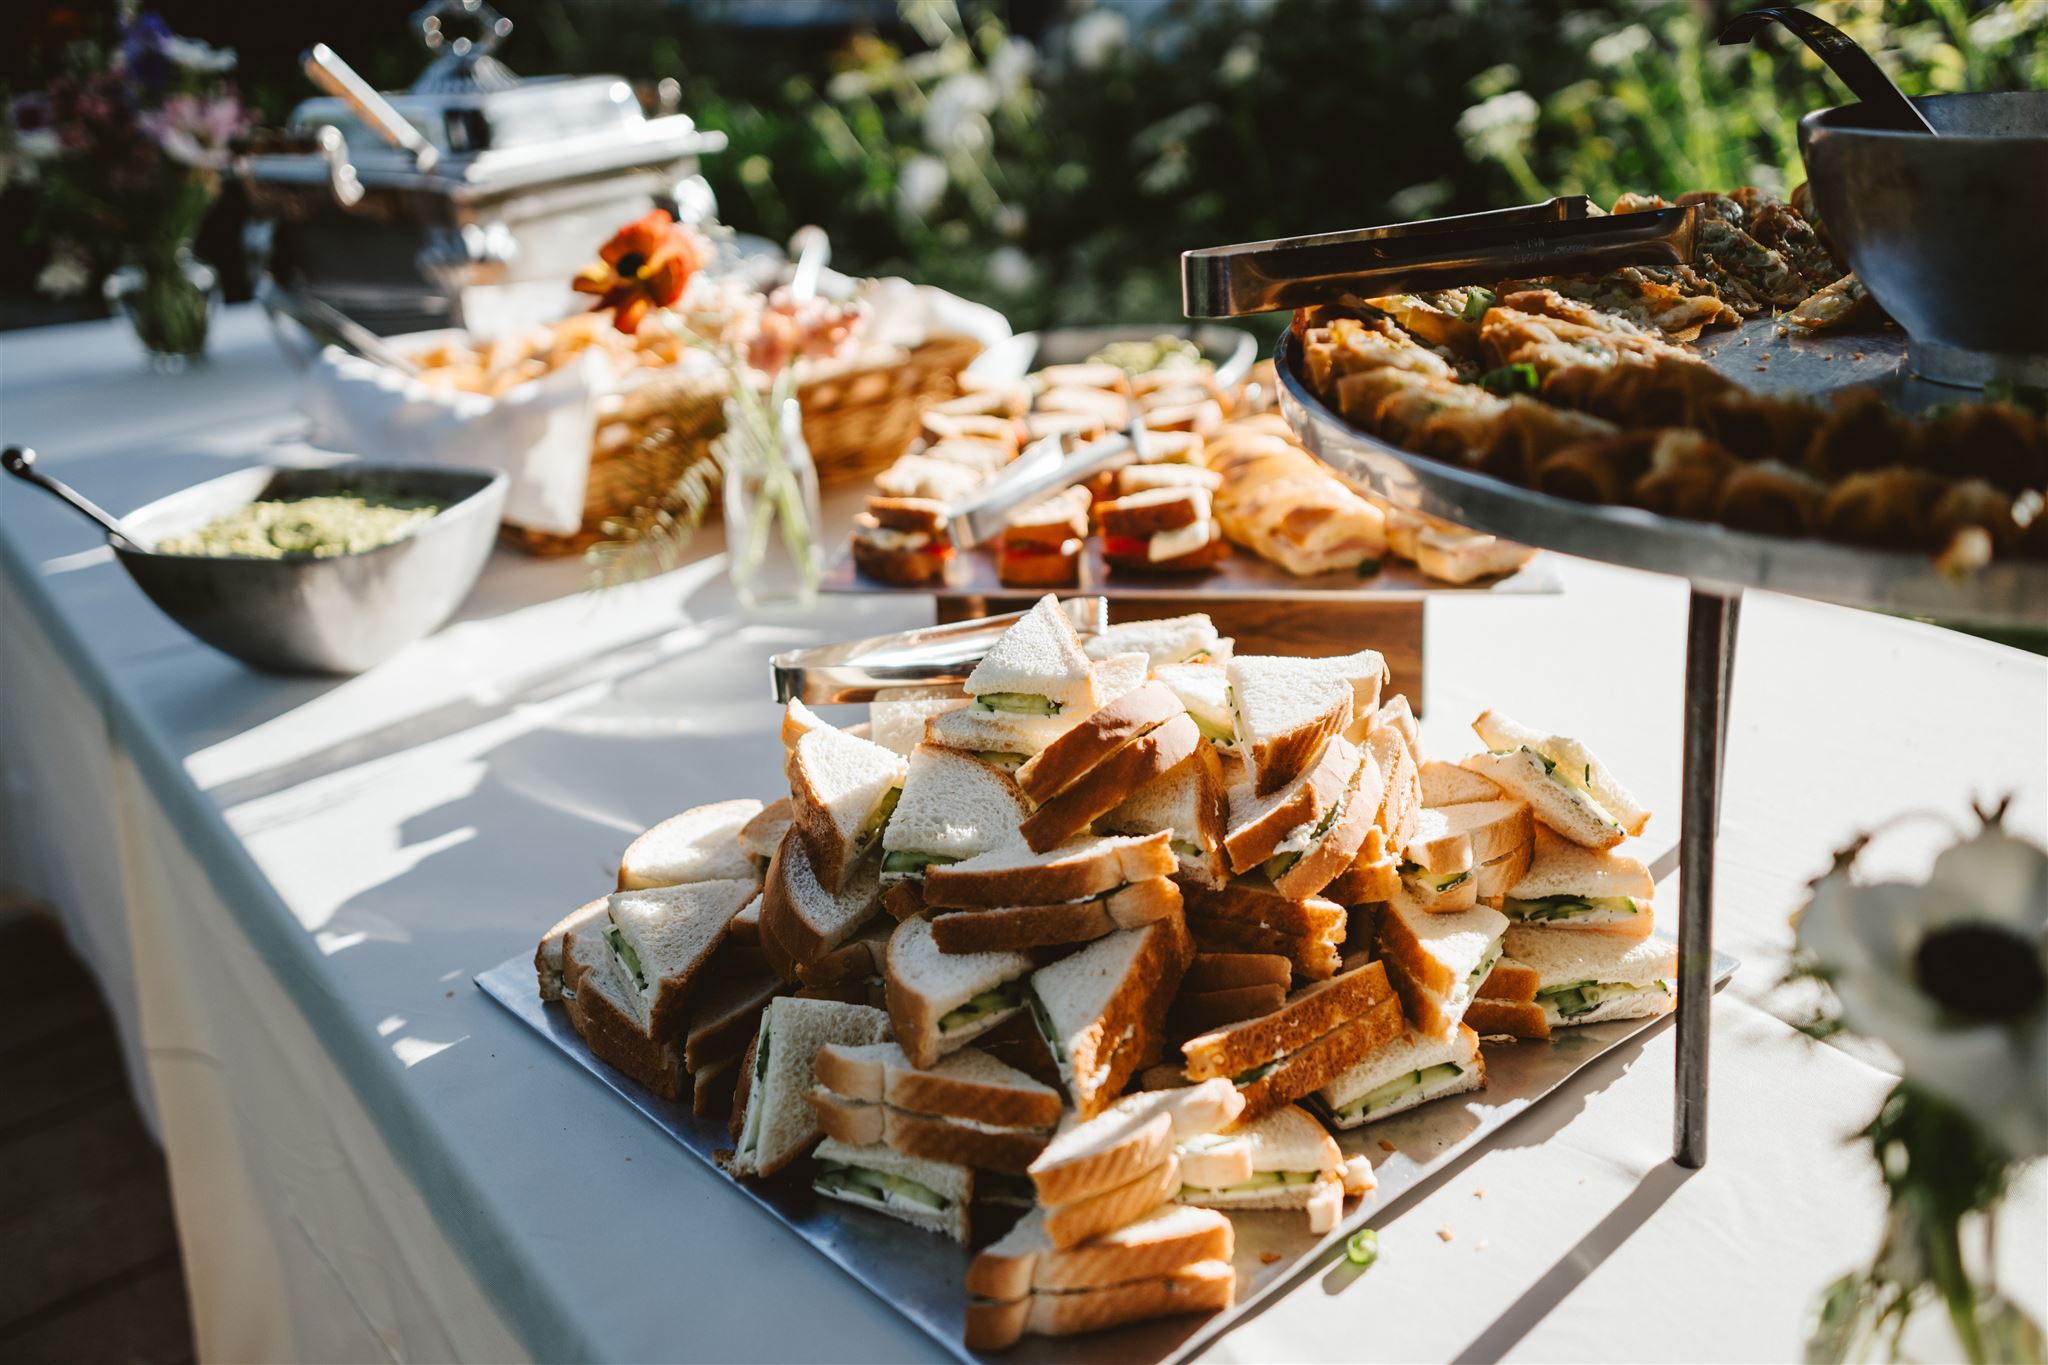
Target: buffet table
point(285, 886)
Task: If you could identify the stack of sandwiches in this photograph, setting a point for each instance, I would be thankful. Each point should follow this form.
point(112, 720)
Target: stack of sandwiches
point(1119, 930)
point(1167, 528)
point(1041, 544)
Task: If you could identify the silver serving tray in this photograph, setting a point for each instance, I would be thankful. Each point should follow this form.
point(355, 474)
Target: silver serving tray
point(2005, 593)
point(922, 1276)
point(854, 670)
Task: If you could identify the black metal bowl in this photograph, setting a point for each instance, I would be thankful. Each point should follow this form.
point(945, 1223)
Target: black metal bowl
point(1949, 233)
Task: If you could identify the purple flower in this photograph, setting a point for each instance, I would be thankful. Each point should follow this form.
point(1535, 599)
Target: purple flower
point(142, 51)
point(195, 130)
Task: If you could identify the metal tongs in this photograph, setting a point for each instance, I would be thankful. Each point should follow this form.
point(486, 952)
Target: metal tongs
point(1564, 236)
point(857, 669)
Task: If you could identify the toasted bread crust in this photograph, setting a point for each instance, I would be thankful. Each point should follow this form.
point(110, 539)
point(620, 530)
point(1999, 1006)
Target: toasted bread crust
point(1109, 782)
point(924, 1092)
point(1041, 926)
point(1400, 950)
point(1256, 903)
point(1080, 1219)
point(904, 899)
point(1311, 1013)
point(1139, 1149)
point(1059, 764)
point(1515, 1019)
point(1069, 879)
point(1315, 959)
point(846, 1120)
point(936, 1139)
point(1510, 982)
point(1323, 1060)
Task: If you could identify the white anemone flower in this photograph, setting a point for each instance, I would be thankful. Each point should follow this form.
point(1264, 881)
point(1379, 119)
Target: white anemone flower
point(1952, 976)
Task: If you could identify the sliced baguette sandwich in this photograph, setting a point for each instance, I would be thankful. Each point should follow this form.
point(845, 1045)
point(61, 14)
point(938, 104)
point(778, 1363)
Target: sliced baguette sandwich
point(842, 790)
point(939, 1002)
point(1172, 1260)
point(953, 806)
point(1287, 709)
point(700, 845)
point(610, 1013)
point(1413, 1069)
point(1437, 962)
point(802, 920)
point(1320, 1032)
point(1293, 1164)
point(772, 1125)
point(1190, 639)
point(663, 937)
point(969, 1109)
point(1186, 803)
point(933, 1195)
point(1570, 887)
point(1087, 867)
point(1570, 790)
point(1592, 978)
point(1249, 916)
point(1103, 1009)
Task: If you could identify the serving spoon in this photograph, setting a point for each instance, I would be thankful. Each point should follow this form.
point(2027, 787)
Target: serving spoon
point(1844, 56)
point(20, 461)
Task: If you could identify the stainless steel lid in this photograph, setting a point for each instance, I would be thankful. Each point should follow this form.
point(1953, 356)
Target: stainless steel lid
point(489, 130)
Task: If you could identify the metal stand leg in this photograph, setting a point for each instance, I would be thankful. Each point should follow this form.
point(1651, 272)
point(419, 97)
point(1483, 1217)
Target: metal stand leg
point(1709, 661)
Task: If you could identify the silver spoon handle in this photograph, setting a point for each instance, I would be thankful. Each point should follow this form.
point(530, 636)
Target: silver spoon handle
point(20, 461)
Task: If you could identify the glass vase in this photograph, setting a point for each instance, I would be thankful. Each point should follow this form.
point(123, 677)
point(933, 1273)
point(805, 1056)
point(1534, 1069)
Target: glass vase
point(169, 301)
point(771, 507)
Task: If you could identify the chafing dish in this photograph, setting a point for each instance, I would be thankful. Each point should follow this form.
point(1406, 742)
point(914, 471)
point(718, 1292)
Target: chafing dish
point(390, 208)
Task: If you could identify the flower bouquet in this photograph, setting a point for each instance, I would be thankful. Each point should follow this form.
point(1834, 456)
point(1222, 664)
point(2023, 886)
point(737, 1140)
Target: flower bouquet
point(1951, 976)
point(127, 153)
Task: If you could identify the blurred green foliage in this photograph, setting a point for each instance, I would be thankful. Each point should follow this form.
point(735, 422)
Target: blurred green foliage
point(1054, 157)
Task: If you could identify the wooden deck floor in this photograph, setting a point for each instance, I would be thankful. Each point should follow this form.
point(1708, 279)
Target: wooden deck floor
point(90, 1255)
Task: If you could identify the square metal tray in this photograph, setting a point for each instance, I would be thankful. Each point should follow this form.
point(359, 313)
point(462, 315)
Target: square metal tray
point(922, 1277)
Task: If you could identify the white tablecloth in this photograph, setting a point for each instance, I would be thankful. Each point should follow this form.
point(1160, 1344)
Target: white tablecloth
point(286, 885)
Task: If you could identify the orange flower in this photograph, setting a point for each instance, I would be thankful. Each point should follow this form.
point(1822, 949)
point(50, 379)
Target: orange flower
point(645, 266)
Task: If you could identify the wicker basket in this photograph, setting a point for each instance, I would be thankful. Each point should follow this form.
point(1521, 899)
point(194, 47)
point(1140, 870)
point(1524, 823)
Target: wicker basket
point(854, 422)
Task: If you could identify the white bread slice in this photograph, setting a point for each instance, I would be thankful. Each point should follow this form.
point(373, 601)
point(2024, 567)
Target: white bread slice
point(1564, 959)
point(970, 1084)
point(976, 731)
point(1494, 829)
point(1436, 847)
point(725, 1014)
point(1328, 848)
point(1059, 764)
point(759, 836)
point(953, 1184)
point(1437, 962)
point(1077, 1220)
point(1563, 868)
point(608, 1012)
point(858, 1071)
point(1408, 1056)
point(1576, 764)
point(1131, 1136)
point(1160, 1242)
point(1204, 689)
point(952, 807)
point(1401, 806)
point(1203, 1287)
point(799, 720)
point(1397, 715)
point(898, 724)
point(1103, 1006)
point(1118, 674)
point(1439, 893)
point(1447, 784)
point(1167, 640)
point(1285, 712)
point(924, 985)
point(1287, 1140)
point(776, 1126)
point(746, 925)
point(1187, 804)
point(1493, 879)
point(1038, 656)
point(1528, 776)
point(801, 920)
point(1289, 1144)
point(673, 931)
point(548, 957)
point(857, 1123)
point(700, 845)
point(841, 789)
point(1017, 876)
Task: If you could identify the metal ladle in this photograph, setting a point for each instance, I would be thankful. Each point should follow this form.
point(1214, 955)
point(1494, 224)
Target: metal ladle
point(1844, 56)
point(20, 461)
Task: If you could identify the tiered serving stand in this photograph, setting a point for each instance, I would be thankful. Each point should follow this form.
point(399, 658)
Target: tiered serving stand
point(1720, 564)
